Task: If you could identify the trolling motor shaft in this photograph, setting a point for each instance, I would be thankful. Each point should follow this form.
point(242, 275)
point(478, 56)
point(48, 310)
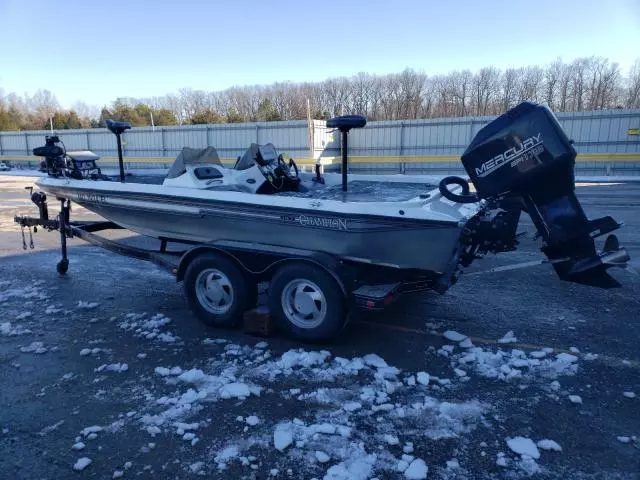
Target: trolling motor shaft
point(118, 128)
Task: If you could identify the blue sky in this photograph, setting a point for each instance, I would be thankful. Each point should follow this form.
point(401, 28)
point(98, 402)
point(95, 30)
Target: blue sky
point(96, 51)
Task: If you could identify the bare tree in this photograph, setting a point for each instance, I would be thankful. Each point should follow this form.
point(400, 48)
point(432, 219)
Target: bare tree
point(91, 112)
point(43, 104)
point(585, 83)
point(632, 94)
point(551, 83)
point(485, 89)
point(530, 83)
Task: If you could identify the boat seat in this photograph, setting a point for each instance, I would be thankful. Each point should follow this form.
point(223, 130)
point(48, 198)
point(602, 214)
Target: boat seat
point(117, 127)
point(345, 123)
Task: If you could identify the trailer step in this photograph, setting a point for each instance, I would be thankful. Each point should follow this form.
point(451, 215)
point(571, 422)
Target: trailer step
point(375, 297)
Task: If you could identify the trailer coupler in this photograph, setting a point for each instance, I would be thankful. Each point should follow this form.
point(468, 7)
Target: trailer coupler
point(61, 223)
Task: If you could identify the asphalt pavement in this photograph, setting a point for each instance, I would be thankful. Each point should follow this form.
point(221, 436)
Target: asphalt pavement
point(108, 364)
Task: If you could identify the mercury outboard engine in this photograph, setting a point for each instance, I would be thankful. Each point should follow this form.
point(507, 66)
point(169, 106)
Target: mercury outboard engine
point(523, 161)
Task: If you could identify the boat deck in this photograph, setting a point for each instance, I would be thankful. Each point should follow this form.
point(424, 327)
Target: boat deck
point(359, 190)
point(364, 191)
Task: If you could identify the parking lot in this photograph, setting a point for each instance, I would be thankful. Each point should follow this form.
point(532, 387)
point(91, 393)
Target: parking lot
point(105, 373)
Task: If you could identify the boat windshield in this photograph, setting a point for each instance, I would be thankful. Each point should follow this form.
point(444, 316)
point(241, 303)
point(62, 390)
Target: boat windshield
point(193, 156)
point(261, 153)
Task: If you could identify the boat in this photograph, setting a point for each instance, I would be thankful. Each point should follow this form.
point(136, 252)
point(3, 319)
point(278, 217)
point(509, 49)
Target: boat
point(389, 230)
point(263, 200)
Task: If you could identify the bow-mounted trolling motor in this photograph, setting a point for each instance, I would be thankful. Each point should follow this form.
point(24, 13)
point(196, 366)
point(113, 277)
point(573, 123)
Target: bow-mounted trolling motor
point(523, 161)
point(60, 163)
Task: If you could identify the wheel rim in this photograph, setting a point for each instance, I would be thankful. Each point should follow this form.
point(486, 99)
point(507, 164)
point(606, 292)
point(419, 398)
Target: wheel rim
point(214, 291)
point(303, 303)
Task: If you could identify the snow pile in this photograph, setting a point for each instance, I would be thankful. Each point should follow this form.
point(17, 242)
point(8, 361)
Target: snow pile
point(82, 305)
point(34, 347)
point(252, 420)
point(225, 455)
point(508, 337)
point(113, 367)
point(23, 315)
point(32, 292)
point(318, 366)
point(417, 470)
point(148, 328)
point(166, 371)
point(508, 365)
point(301, 359)
point(91, 432)
point(202, 387)
point(282, 437)
point(442, 419)
point(90, 351)
point(454, 336)
point(11, 331)
point(577, 399)
point(82, 463)
point(523, 446)
point(214, 341)
point(547, 444)
point(51, 309)
point(357, 466)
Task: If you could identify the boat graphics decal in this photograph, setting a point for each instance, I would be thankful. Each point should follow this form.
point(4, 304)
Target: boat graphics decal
point(330, 223)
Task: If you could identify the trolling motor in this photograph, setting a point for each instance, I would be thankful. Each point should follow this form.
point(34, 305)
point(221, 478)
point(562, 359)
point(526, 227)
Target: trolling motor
point(54, 155)
point(118, 128)
point(344, 124)
point(523, 161)
point(58, 162)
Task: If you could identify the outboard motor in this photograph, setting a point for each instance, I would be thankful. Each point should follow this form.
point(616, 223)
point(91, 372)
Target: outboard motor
point(523, 160)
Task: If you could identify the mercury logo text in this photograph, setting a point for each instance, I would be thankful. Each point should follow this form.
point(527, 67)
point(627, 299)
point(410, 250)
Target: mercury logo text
point(510, 155)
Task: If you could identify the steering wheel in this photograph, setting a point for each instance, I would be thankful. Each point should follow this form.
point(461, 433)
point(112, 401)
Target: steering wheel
point(286, 168)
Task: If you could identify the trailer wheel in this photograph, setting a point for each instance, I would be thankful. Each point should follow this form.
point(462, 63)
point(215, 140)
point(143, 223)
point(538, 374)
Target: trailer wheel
point(217, 290)
point(307, 302)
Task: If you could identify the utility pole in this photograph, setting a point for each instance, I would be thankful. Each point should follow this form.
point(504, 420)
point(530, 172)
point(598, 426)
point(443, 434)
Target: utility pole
point(310, 130)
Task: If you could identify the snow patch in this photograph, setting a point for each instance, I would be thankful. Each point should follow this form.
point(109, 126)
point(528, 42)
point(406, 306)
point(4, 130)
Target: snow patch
point(112, 367)
point(34, 347)
point(86, 305)
point(547, 444)
point(523, 446)
point(417, 470)
point(11, 331)
point(454, 336)
point(82, 463)
point(508, 337)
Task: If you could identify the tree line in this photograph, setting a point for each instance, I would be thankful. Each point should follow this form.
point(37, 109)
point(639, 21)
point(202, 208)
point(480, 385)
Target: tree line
point(591, 83)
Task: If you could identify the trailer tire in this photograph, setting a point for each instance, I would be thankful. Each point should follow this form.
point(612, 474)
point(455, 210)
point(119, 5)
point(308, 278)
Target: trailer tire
point(217, 290)
point(307, 302)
